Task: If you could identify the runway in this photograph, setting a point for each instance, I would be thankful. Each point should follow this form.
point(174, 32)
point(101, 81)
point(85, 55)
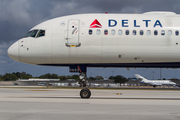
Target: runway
point(65, 104)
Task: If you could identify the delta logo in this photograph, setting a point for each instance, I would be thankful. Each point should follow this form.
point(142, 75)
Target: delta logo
point(95, 24)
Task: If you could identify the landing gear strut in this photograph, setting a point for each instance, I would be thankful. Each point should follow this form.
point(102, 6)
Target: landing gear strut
point(84, 93)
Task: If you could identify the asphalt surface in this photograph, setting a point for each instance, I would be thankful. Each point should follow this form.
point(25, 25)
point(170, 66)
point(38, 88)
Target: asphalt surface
point(65, 104)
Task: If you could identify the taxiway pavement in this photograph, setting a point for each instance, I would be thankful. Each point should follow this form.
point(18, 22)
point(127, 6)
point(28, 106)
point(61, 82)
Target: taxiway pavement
point(66, 104)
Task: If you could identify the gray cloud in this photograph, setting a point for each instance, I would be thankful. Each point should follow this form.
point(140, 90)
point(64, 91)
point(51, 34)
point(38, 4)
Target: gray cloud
point(3, 48)
point(118, 6)
point(18, 16)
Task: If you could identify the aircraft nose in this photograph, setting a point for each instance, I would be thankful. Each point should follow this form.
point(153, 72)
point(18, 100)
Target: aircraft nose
point(13, 51)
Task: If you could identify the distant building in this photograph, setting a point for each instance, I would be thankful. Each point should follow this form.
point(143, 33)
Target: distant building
point(106, 78)
point(34, 79)
point(133, 81)
point(71, 80)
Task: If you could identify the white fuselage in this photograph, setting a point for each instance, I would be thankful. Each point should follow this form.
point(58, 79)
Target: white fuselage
point(103, 40)
point(159, 82)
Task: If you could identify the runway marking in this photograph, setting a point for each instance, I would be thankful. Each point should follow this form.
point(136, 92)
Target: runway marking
point(38, 90)
point(74, 97)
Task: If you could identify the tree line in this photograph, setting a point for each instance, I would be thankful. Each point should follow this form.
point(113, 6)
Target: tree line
point(22, 75)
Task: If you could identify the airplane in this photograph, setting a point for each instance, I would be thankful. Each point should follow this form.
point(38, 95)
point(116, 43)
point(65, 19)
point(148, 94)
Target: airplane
point(148, 40)
point(155, 83)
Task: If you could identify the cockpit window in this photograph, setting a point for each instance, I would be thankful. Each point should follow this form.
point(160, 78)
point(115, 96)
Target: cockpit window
point(41, 33)
point(29, 33)
point(33, 34)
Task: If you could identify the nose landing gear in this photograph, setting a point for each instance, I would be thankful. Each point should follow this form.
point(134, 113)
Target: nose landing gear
point(84, 93)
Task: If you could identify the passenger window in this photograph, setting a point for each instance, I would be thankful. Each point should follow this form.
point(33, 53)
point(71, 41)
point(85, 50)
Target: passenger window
point(98, 32)
point(162, 32)
point(155, 32)
point(177, 32)
point(112, 32)
point(90, 32)
point(120, 32)
point(127, 32)
point(29, 33)
point(169, 32)
point(141, 32)
point(106, 32)
point(34, 33)
point(134, 32)
point(148, 32)
point(41, 33)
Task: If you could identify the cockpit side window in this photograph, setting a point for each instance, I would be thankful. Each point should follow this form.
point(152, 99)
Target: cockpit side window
point(29, 33)
point(33, 34)
point(41, 33)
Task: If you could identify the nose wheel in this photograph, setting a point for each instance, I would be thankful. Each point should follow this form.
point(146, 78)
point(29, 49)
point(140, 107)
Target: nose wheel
point(85, 93)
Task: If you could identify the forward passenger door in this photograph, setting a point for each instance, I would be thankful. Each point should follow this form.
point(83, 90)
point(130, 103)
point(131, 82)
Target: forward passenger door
point(72, 35)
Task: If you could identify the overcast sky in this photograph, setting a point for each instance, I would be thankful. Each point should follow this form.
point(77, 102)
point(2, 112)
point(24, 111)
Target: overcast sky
point(18, 16)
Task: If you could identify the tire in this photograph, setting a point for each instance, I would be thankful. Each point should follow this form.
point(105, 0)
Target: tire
point(85, 93)
point(89, 93)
